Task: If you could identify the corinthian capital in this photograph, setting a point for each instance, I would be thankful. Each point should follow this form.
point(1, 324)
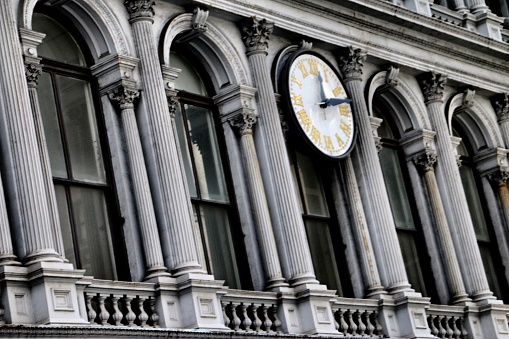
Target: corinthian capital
point(432, 86)
point(244, 121)
point(500, 104)
point(32, 72)
point(140, 8)
point(499, 177)
point(124, 97)
point(256, 34)
point(426, 161)
point(351, 62)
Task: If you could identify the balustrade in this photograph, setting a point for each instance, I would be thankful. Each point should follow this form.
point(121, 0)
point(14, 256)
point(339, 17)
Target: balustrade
point(251, 317)
point(357, 317)
point(446, 322)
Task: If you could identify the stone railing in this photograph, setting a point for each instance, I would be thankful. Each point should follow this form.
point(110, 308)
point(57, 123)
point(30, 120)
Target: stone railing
point(121, 304)
point(357, 317)
point(446, 321)
point(446, 15)
point(250, 311)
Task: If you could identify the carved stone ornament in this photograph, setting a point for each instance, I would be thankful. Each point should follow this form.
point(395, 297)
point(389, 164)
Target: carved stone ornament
point(173, 103)
point(124, 97)
point(351, 63)
point(500, 104)
point(392, 76)
point(432, 86)
point(140, 8)
point(244, 122)
point(426, 161)
point(499, 177)
point(33, 71)
point(256, 34)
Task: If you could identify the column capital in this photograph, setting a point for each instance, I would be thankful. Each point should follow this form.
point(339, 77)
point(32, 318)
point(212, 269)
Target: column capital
point(500, 103)
point(140, 9)
point(244, 121)
point(432, 86)
point(173, 102)
point(33, 71)
point(256, 34)
point(351, 61)
point(124, 96)
point(499, 177)
point(426, 161)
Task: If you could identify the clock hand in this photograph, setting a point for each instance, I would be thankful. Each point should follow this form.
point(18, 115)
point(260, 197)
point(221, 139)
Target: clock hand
point(322, 90)
point(337, 101)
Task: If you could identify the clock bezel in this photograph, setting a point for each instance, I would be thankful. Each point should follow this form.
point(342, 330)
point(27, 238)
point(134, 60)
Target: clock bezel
point(284, 85)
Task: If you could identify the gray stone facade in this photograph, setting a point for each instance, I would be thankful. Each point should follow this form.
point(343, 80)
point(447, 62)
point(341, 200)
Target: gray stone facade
point(411, 239)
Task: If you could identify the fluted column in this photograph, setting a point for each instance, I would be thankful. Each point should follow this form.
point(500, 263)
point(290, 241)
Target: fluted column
point(256, 34)
point(500, 104)
point(33, 71)
point(361, 232)
point(365, 156)
point(244, 122)
point(125, 97)
point(499, 181)
point(179, 220)
point(477, 6)
point(451, 190)
point(427, 162)
point(28, 187)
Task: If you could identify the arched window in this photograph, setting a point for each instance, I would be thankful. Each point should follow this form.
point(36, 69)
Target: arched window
point(77, 149)
point(480, 217)
point(403, 208)
point(205, 164)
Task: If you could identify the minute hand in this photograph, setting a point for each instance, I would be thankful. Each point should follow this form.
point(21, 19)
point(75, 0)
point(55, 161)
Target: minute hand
point(336, 101)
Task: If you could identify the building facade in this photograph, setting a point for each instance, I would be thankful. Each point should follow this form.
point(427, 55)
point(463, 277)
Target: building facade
point(252, 168)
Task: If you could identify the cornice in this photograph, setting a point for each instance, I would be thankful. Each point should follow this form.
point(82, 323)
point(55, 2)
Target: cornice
point(440, 40)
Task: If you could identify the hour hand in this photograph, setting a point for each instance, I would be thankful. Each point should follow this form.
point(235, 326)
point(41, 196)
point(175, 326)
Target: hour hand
point(337, 101)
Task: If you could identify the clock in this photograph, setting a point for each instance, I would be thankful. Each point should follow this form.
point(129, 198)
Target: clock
point(318, 103)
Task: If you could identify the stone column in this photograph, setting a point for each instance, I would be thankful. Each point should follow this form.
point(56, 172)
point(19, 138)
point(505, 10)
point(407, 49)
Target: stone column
point(33, 69)
point(477, 6)
point(500, 104)
point(426, 162)
point(28, 185)
point(361, 233)
point(499, 181)
point(179, 221)
point(365, 158)
point(124, 97)
point(256, 34)
point(451, 190)
point(244, 122)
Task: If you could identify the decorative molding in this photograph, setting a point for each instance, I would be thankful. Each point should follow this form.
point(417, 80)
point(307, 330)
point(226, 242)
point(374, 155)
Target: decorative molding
point(432, 86)
point(256, 34)
point(305, 45)
point(198, 25)
point(140, 9)
point(500, 103)
point(351, 61)
point(124, 97)
point(392, 76)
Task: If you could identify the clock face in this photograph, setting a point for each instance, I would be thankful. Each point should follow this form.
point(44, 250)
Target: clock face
point(320, 105)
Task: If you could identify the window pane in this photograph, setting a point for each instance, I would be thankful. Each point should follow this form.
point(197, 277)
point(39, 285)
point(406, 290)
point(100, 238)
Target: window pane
point(51, 127)
point(474, 203)
point(411, 259)
point(314, 195)
point(219, 244)
point(322, 253)
point(209, 169)
point(81, 130)
point(65, 224)
point(92, 232)
point(58, 43)
point(296, 183)
point(184, 150)
point(395, 186)
point(489, 267)
point(189, 80)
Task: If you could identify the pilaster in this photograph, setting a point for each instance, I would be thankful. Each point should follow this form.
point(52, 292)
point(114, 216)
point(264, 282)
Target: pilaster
point(286, 214)
point(235, 108)
point(452, 193)
point(176, 211)
point(365, 157)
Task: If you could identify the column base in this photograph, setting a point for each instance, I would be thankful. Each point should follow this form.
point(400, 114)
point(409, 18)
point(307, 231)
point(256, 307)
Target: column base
point(46, 255)
point(276, 282)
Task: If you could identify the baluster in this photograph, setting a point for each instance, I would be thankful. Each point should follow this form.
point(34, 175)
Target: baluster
point(235, 324)
point(225, 316)
point(267, 323)
point(130, 316)
point(369, 326)
point(246, 321)
point(358, 321)
point(431, 325)
point(376, 323)
point(335, 317)
point(116, 315)
point(276, 323)
point(104, 315)
point(343, 326)
point(91, 312)
point(153, 319)
point(456, 332)
point(256, 322)
point(464, 332)
point(142, 316)
point(352, 327)
point(441, 328)
point(448, 331)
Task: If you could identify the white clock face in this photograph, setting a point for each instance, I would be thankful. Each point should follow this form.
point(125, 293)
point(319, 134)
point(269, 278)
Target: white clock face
point(320, 105)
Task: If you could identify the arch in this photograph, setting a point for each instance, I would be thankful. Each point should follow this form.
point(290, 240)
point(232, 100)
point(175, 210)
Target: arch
point(477, 122)
point(218, 54)
point(95, 21)
point(399, 95)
